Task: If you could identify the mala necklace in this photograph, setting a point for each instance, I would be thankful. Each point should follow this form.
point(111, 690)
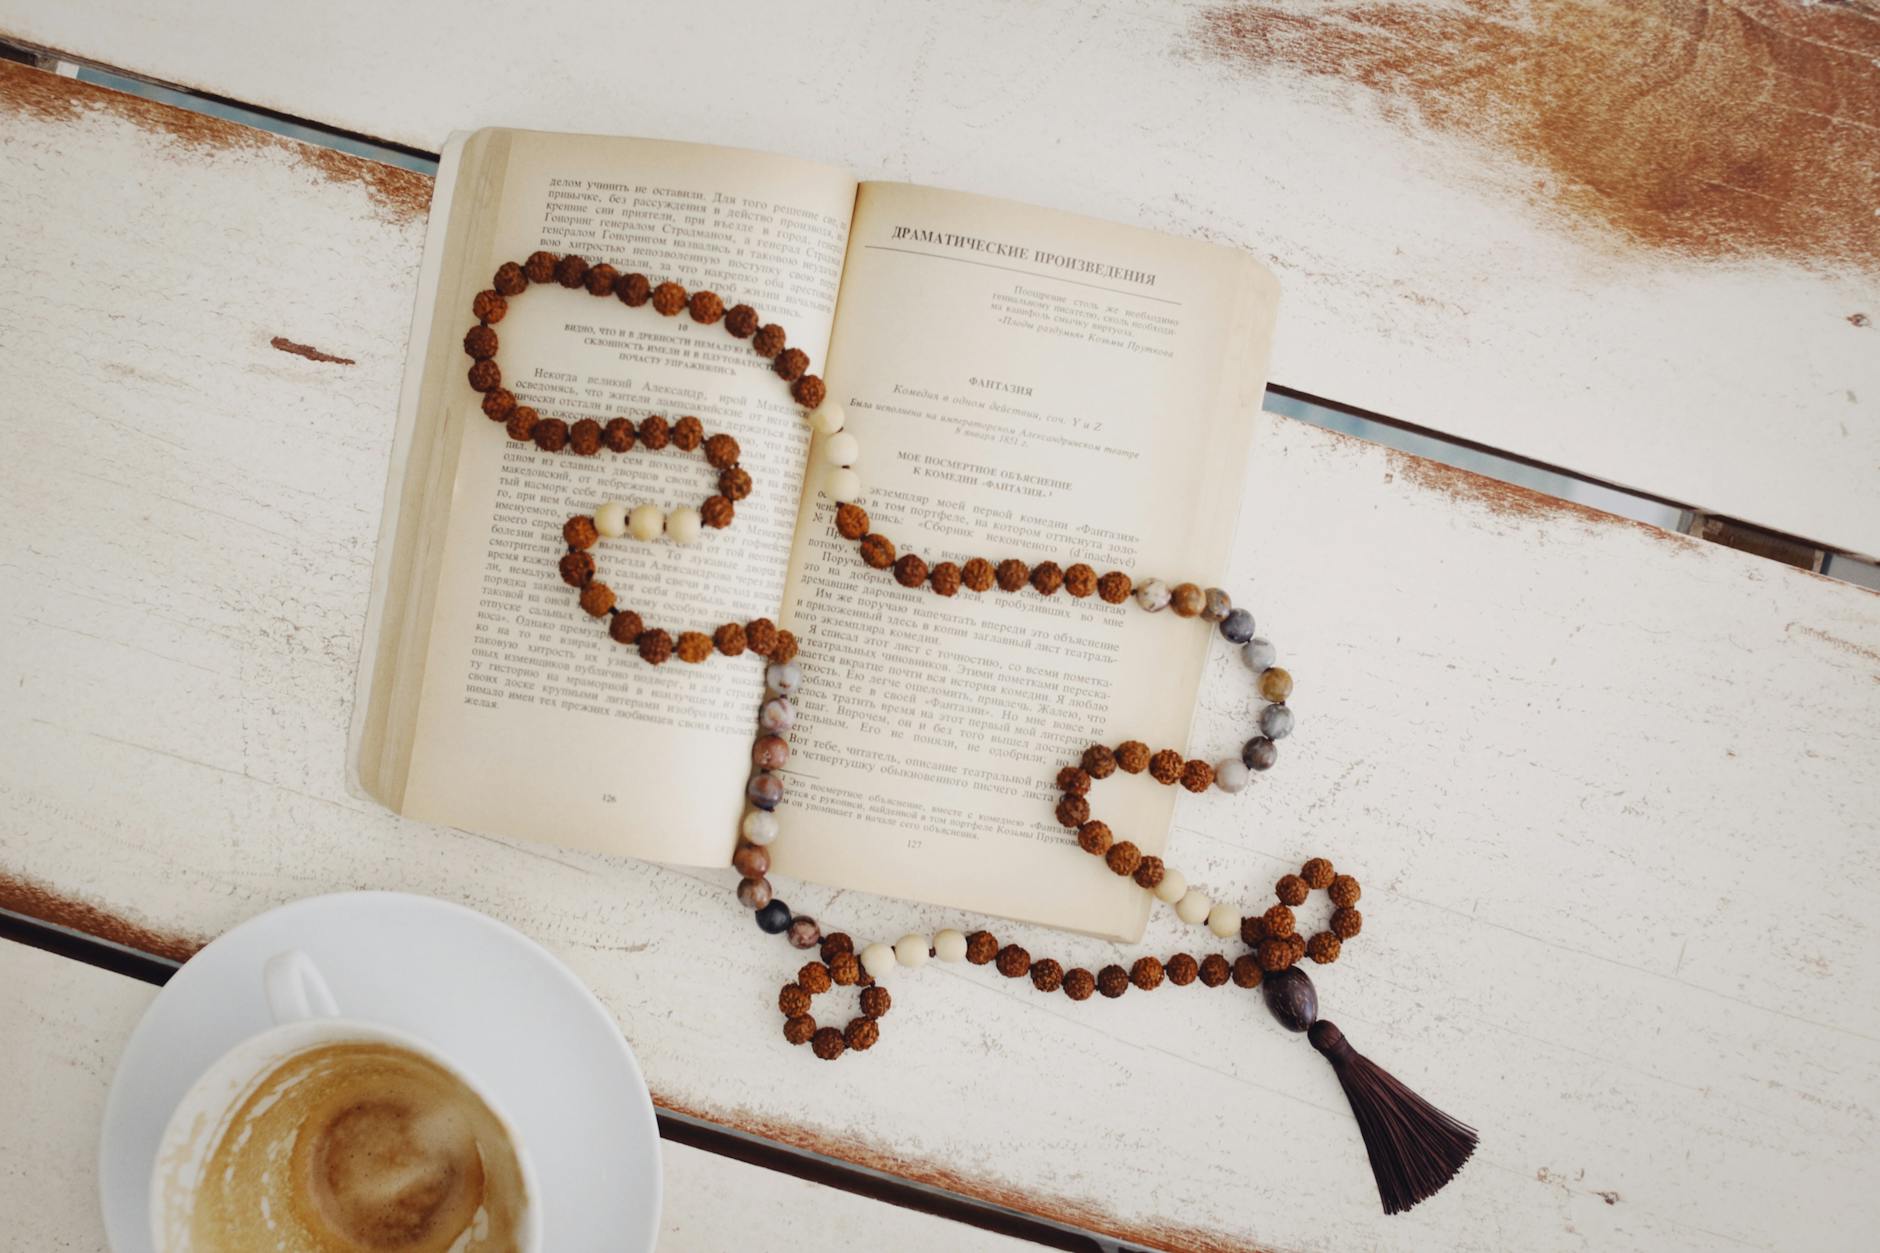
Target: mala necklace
point(1414, 1148)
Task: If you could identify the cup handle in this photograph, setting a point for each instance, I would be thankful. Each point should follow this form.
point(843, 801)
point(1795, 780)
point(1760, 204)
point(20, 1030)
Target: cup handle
point(295, 988)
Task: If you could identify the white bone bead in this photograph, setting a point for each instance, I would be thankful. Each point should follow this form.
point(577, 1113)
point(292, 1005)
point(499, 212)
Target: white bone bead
point(611, 520)
point(828, 418)
point(683, 525)
point(842, 449)
point(949, 945)
point(878, 961)
point(1224, 920)
point(646, 522)
point(1193, 907)
point(1173, 887)
point(911, 951)
point(842, 485)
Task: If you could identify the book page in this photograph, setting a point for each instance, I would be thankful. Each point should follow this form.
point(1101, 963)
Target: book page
point(1023, 383)
point(530, 720)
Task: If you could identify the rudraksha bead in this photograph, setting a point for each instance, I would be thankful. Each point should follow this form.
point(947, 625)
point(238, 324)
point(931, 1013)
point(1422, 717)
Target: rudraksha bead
point(571, 271)
point(981, 947)
point(1247, 971)
point(1123, 858)
point(1132, 756)
point(1297, 943)
point(485, 376)
point(1113, 588)
point(655, 432)
point(798, 1030)
point(706, 307)
point(1112, 981)
point(1346, 922)
point(625, 627)
point(1166, 766)
point(876, 1001)
point(1182, 969)
point(735, 483)
point(540, 267)
point(687, 433)
point(1275, 954)
point(1323, 948)
point(1073, 811)
point(761, 635)
point(1046, 974)
point(851, 521)
point(1317, 873)
point(1099, 762)
point(480, 342)
point(722, 451)
point(835, 943)
point(793, 1000)
point(845, 969)
point(668, 299)
point(1291, 890)
point(633, 290)
point(1215, 971)
point(944, 579)
point(618, 435)
point(1047, 577)
point(655, 646)
point(1344, 890)
point(1252, 930)
point(1013, 961)
point(521, 426)
point(910, 570)
point(785, 647)
point(693, 647)
point(1012, 574)
point(601, 278)
point(1094, 837)
point(977, 574)
point(579, 532)
point(1146, 973)
point(809, 391)
point(862, 1033)
point(828, 1043)
point(1187, 600)
point(790, 364)
point(489, 306)
point(717, 512)
point(577, 569)
point(729, 639)
point(1079, 983)
point(1080, 580)
point(1072, 779)
point(741, 321)
point(878, 551)
point(1149, 872)
point(1278, 921)
point(584, 437)
point(814, 976)
point(768, 340)
point(550, 435)
point(498, 404)
point(510, 280)
point(1197, 775)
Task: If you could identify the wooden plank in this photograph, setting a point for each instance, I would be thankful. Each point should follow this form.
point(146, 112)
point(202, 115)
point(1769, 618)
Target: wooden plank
point(1610, 790)
point(1634, 241)
point(68, 1023)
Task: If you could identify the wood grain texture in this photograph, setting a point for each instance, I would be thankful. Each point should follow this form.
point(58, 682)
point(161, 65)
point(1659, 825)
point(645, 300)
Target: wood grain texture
point(67, 1024)
point(1633, 240)
point(1611, 792)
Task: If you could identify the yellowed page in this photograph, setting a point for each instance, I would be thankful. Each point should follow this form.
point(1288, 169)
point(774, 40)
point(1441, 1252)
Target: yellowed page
point(531, 721)
point(1024, 383)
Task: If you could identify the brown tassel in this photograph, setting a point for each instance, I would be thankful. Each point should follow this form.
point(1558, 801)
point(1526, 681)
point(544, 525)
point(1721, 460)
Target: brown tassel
point(1414, 1147)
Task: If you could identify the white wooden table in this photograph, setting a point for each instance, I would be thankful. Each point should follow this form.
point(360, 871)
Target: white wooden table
point(1613, 792)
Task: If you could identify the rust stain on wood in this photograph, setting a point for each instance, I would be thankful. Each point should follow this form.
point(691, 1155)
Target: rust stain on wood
point(401, 195)
point(285, 344)
point(993, 1189)
point(35, 900)
point(1836, 642)
point(1707, 129)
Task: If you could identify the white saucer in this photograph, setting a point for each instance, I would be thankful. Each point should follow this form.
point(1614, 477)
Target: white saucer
point(499, 1004)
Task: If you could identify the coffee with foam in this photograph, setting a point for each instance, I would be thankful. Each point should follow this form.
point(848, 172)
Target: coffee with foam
point(353, 1147)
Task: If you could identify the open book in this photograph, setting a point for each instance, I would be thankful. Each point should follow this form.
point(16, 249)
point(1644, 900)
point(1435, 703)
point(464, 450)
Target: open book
point(1023, 382)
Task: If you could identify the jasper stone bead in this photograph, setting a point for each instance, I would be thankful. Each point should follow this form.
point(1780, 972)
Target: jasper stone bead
point(1259, 654)
point(1231, 775)
point(804, 933)
point(1237, 627)
point(765, 790)
point(1152, 595)
point(1187, 600)
point(1276, 722)
point(754, 893)
point(751, 861)
point(770, 752)
point(777, 716)
point(760, 827)
point(1276, 684)
point(1217, 606)
point(783, 678)
point(774, 918)
point(1259, 753)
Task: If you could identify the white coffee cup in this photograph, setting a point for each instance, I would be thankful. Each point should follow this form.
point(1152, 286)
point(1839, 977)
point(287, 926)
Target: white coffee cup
point(306, 1017)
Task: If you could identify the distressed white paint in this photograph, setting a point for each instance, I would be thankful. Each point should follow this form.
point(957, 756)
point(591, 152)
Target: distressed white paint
point(67, 1023)
point(1612, 794)
point(1424, 275)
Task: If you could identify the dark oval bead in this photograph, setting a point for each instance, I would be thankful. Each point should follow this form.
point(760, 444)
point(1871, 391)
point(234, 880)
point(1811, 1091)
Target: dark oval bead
point(1259, 753)
point(765, 790)
point(1237, 626)
point(1291, 998)
point(774, 919)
